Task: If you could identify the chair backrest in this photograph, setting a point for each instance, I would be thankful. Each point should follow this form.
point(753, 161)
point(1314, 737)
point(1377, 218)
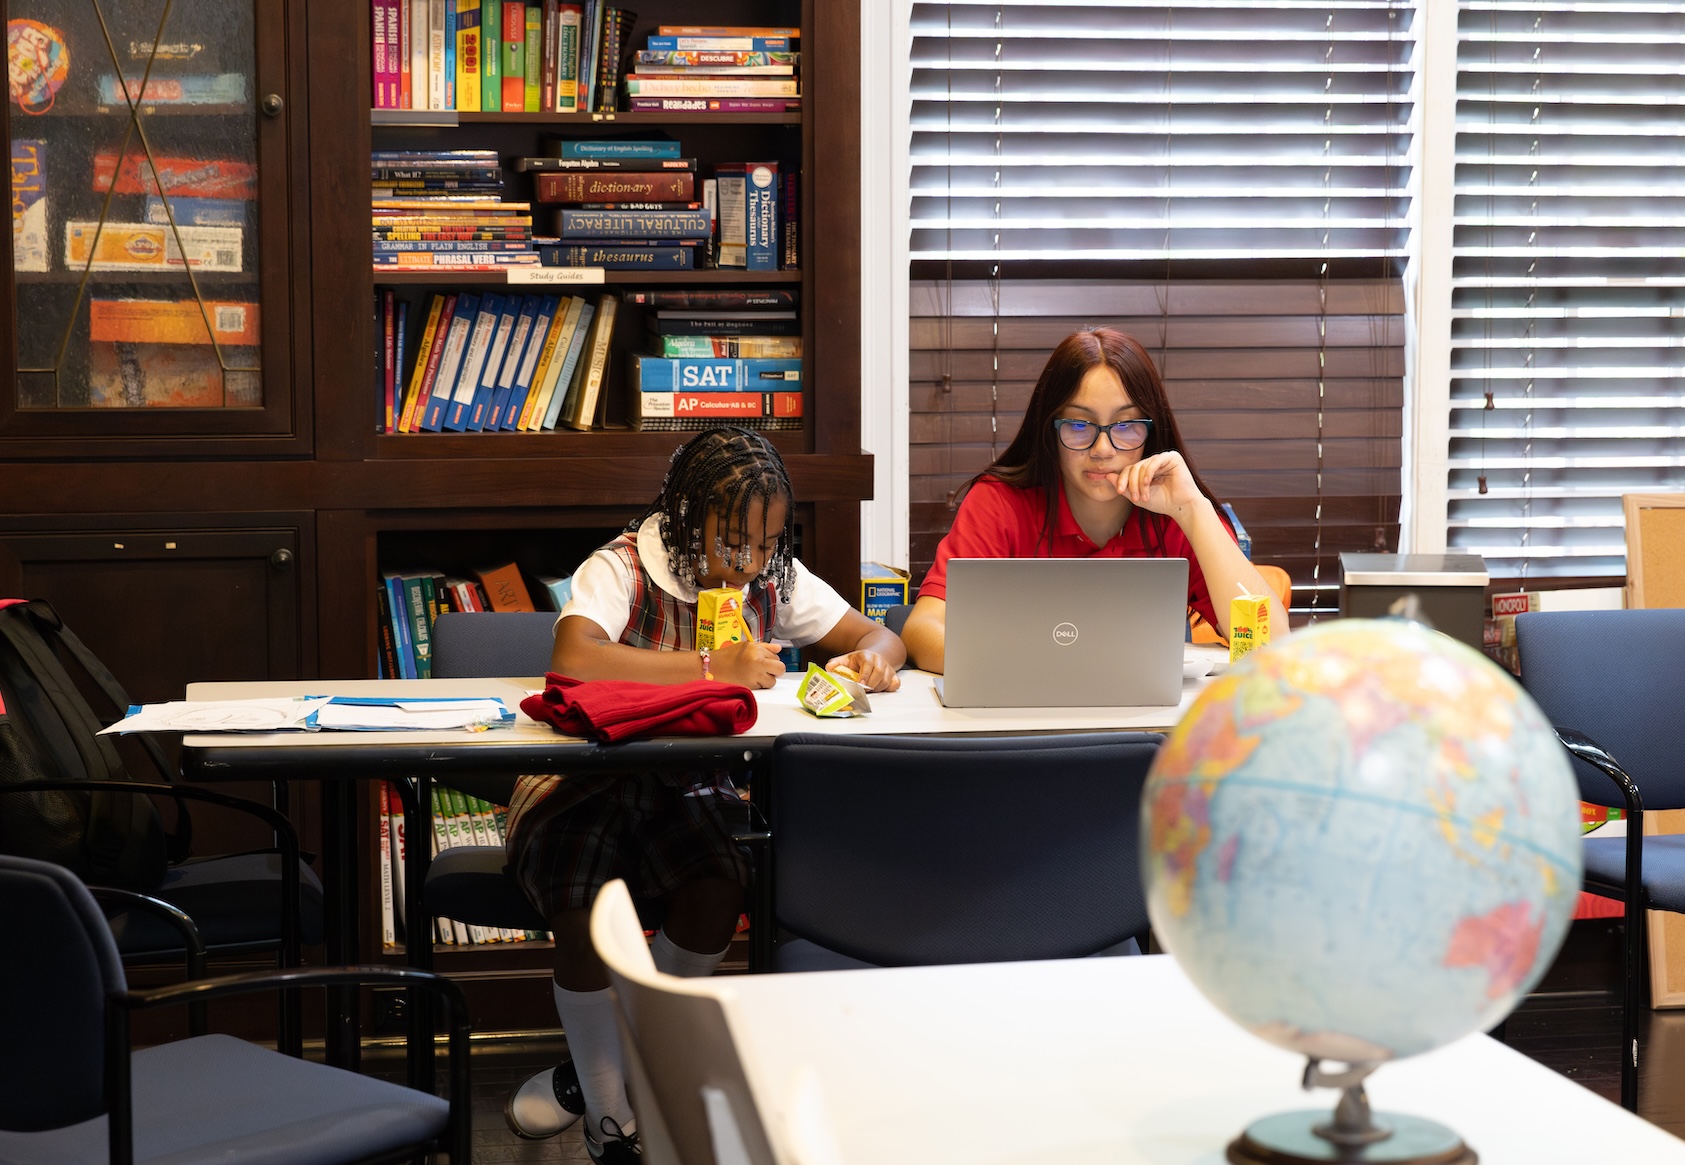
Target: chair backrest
point(492, 644)
point(59, 968)
point(690, 1090)
point(1618, 677)
point(895, 618)
point(903, 851)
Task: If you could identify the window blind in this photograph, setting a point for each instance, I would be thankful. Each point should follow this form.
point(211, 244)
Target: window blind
point(1119, 130)
point(1568, 279)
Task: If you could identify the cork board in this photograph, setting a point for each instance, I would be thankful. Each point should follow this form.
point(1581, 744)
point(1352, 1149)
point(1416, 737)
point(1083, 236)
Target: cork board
point(1667, 929)
point(1655, 549)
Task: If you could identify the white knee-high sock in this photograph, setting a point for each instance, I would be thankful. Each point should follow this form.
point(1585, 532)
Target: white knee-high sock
point(594, 1043)
point(672, 959)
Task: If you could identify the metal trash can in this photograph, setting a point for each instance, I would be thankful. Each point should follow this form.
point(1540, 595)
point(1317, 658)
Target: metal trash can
point(1451, 589)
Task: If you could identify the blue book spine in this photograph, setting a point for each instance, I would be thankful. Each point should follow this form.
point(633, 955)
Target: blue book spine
point(519, 341)
point(614, 149)
point(576, 345)
point(401, 626)
point(619, 258)
point(399, 246)
point(763, 240)
point(541, 325)
point(473, 362)
point(686, 374)
point(450, 54)
point(634, 224)
point(450, 363)
point(743, 44)
point(481, 404)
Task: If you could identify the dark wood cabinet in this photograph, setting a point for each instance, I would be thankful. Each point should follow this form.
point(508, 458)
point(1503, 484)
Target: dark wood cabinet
point(245, 541)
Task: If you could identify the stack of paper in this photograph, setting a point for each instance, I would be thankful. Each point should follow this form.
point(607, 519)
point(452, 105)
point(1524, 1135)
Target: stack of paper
point(314, 713)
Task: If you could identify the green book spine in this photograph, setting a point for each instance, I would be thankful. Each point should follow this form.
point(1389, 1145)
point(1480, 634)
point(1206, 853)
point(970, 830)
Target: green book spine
point(535, 59)
point(491, 55)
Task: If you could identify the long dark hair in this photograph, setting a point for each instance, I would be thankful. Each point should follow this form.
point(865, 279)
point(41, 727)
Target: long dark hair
point(722, 470)
point(1032, 460)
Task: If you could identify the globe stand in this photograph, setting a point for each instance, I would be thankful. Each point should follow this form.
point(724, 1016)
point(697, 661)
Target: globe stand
point(1353, 1137)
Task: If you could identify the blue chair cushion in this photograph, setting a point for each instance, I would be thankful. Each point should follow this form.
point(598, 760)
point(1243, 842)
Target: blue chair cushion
point(233, 900)
point(468, 883)
point(214, 1099)
point(1664, 869)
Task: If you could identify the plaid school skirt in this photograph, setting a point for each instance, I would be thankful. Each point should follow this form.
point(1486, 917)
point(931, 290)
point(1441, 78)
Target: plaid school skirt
point(658, 831)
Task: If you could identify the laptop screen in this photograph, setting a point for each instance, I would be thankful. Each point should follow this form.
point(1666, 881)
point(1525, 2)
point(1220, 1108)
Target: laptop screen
point(1064, 632)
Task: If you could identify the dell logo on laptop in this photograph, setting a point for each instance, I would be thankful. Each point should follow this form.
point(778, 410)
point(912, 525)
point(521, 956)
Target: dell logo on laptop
point(1065, 634)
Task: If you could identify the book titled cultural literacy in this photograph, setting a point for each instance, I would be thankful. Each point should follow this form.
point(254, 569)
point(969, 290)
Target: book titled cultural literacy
point(29, 205)
point(641, 224)
point(713, 374)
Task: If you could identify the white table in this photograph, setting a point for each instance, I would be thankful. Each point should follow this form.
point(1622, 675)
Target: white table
point(1116, 1060)
point(339, 759)
point(915, 709)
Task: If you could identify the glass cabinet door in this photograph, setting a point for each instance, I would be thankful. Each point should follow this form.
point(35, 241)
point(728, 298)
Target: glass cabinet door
point(149, 232)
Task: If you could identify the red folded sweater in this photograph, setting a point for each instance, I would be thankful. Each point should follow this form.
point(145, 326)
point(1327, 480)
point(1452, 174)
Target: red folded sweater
point(614, 710)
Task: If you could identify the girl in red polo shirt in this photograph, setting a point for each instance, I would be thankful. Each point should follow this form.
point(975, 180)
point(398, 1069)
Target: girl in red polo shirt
point(1097, 470)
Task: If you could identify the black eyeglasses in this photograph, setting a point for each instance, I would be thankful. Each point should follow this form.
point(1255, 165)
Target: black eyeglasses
point(1124, 435)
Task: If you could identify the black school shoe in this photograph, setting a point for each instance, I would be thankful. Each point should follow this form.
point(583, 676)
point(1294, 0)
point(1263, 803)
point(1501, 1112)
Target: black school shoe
point(616, 1147)
point(546, 1103)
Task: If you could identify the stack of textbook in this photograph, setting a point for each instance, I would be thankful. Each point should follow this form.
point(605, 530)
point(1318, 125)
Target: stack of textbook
point(624, 204)
point(725, 356)
point(444, 209)
point(729, 69)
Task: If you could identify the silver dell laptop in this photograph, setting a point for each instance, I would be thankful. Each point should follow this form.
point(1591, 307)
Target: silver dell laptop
point(1064, 632)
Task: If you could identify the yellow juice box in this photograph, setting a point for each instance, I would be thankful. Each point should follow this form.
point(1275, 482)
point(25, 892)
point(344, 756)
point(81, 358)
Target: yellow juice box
point(1249, 624)
point(719, 618)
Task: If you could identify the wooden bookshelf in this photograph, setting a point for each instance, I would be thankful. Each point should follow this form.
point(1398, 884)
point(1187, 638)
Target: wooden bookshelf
point(243, 543)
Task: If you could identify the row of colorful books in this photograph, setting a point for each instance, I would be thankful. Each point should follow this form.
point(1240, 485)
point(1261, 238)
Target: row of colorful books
point(458, 820)
point(411, 602)
point(551, 56)
point(490, 363)
point(493, 362)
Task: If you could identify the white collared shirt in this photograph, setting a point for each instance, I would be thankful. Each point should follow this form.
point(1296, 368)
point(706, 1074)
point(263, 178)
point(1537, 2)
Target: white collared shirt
point(602, 592)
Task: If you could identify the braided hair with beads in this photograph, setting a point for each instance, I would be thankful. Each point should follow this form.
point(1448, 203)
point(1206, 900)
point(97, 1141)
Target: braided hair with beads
point(723, 470)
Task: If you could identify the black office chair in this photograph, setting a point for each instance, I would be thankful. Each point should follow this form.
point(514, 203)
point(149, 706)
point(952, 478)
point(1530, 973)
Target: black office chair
point(895, 618)
point(1613, 685)
point(237, 903)
point(468, 882)
point(903, 851)
point(71, 1089)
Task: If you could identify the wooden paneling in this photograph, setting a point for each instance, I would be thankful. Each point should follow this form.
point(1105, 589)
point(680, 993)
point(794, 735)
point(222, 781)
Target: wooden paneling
point(1240, 360)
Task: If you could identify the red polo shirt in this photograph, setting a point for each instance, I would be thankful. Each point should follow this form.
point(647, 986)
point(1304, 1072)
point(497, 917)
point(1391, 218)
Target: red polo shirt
point(997, 520)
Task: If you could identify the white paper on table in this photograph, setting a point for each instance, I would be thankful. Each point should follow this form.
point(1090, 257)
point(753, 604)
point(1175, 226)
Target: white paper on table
point(420, 715)
point(278, 714)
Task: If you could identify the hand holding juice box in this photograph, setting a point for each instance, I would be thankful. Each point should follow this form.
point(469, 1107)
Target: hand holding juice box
point(719, 618)
point(1249, 623)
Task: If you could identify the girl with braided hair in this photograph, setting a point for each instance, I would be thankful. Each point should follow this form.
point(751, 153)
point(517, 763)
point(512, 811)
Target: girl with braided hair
point(723, 519)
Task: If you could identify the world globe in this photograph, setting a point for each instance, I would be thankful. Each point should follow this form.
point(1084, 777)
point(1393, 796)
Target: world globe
point(1362, 842)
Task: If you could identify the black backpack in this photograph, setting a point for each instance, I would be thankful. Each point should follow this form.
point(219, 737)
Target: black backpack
point(48, 732)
